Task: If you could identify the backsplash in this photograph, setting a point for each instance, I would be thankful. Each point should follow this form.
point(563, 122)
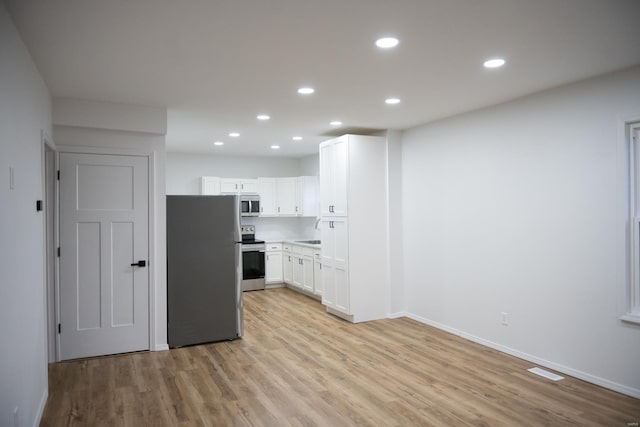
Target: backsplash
point(283, 228)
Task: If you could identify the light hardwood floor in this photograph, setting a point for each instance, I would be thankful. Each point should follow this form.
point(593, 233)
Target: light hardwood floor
point(299, 366)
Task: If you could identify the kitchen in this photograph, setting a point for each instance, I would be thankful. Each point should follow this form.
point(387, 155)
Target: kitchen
point(185, 173)
point(348, 274)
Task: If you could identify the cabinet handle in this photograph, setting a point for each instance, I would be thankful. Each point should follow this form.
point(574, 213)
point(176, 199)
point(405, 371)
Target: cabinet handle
point(278, 208)
point(261, 210)
point(296, 209)
point(320, 266)
point(242, 186)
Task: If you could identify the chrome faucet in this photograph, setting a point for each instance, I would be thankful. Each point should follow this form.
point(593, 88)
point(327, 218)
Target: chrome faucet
point(317, 223)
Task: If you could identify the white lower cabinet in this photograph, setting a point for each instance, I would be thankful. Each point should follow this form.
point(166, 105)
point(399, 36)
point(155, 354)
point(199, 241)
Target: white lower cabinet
point(302, 267)
point(287, 264)
point(317, 273)
point(273, 263)
point(307, 273)
point(299, 268)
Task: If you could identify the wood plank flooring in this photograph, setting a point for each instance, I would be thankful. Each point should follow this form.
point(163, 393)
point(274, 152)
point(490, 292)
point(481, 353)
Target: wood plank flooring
point(298, 366)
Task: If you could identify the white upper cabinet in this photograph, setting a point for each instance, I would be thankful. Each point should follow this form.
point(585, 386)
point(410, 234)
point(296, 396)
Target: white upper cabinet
point(238, 186)
point(286, 197)
point(267, 191)
point(334, 166)
point(210, 186)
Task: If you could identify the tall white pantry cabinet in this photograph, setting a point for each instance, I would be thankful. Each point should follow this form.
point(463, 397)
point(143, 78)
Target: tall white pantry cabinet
point(354, 219)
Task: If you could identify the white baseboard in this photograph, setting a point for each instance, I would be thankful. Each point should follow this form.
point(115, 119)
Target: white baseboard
point(397, 315)
point(41, 406)
point(620, 388)
point(161, 347)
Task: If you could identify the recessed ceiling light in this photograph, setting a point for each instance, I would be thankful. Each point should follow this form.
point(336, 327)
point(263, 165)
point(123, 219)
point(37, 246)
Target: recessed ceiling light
point(392, 101)
point(306, 90)
point(387, 42)
point(263, 117)
point(218, 143)
point(275, 147)
point(494, 63)
point(234, 134)
point(297, 138)
point(335, 123)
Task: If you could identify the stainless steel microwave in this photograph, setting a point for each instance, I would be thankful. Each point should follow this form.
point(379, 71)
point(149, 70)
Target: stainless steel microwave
point(250, 205)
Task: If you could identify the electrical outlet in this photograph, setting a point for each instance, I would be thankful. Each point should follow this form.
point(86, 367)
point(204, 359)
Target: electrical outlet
point(505, 318)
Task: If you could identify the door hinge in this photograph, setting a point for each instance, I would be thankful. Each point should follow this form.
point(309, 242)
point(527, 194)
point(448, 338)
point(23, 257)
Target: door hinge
point(58, 251)
point(58, 175)
point(59, 328)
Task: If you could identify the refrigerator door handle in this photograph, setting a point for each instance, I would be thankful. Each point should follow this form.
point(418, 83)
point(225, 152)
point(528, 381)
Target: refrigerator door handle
point(240, 303)
point(238, 234)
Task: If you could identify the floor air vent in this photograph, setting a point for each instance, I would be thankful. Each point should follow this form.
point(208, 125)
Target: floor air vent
point(546, 374)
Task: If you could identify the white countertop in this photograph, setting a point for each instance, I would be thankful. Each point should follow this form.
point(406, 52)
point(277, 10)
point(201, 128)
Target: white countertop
point(296, 242)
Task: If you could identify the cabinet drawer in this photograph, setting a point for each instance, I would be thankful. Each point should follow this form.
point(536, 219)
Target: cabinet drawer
point(274, 246)
point(302, 250)
point(286, 247)
point(317, 254)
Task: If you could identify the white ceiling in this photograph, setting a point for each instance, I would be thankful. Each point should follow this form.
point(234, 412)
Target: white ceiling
point(216, 64)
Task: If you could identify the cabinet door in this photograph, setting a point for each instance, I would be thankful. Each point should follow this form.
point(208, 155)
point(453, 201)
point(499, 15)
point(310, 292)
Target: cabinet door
point(340, 177)
point(273, 267)
point(210, 186)
point(317, 276)
point(248, 186)
point(342, 290)
point(328, 286)
point(267, 192)
point(326, 177)
point(298, 271)
point(340, 237)
point(286, 196)
point(307, 274)
point(335, 241)
point(229, 186)
point(287, 266)
point(335, 274)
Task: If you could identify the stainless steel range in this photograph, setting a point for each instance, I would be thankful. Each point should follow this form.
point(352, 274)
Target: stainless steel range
point(252, 260)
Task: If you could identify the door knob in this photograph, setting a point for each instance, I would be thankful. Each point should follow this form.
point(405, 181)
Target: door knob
point(141, 263)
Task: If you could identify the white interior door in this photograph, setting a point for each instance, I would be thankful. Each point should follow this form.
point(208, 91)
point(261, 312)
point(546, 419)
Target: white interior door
point(104, 214)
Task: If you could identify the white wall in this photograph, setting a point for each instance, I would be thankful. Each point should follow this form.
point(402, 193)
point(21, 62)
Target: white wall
point(517, 208)
point(394, 182)
point(77, 133)
point(310, 165)
point(184, 170)
point(25, 110)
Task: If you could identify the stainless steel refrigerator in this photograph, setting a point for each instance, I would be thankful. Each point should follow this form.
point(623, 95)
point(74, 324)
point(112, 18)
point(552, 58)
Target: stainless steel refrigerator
point(204, 269)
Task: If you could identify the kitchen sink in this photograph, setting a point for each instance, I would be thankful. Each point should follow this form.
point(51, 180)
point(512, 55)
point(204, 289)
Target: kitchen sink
point(309, 242)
